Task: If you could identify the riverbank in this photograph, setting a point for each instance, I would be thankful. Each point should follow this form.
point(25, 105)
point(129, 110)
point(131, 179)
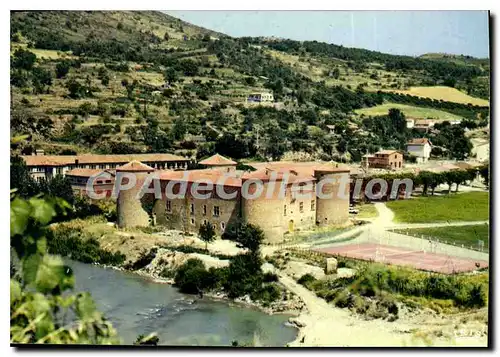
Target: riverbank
point(136, 305)
point(319, 323)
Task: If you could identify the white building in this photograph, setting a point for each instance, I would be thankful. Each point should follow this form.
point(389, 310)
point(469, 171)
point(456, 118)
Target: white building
point(410, 123)
point(261, 97)
point(420, 148)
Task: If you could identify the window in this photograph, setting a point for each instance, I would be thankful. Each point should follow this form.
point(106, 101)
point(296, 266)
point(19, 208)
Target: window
point(192, 208)
point(192, 220)
point(99, 181)
point(204, 210)
point(222, 225)
point(205, 221)
point(108, 181)
point(301, 207)
point(216, 211)
point(284, 210)
point(169, 206)
point(313, 205)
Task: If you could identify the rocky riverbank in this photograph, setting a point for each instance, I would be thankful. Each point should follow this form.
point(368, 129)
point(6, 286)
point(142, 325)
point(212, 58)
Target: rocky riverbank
point(162, 267)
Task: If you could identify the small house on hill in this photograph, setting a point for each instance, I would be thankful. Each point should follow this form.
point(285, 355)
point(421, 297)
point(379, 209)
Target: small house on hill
point(384, 159)
point(420, 148)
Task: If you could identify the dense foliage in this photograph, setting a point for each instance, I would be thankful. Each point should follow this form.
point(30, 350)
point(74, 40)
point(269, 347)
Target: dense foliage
point(38, 308)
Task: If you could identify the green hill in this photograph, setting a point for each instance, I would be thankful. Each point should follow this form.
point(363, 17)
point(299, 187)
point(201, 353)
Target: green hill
point(136, 81)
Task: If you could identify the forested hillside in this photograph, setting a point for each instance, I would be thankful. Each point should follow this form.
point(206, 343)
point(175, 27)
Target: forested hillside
point(126, 82)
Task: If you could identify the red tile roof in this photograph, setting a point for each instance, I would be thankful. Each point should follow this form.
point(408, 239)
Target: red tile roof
point(217, 160)
point(302, 168)
point(214, 176)
point(64, 160)
point(135, 166)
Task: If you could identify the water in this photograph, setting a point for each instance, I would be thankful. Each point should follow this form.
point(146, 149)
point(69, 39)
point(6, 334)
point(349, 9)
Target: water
point(138, 306)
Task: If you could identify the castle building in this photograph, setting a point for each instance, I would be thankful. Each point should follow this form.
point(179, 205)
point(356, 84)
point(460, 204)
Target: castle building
point(280, 198)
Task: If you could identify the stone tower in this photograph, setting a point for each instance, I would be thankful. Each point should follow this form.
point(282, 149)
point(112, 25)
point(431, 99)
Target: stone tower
point(335, 208)
point(265, 211)
point(129, 208)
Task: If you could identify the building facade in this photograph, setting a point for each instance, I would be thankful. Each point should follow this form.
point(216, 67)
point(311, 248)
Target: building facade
point(47, 166)
point(288, 201)
point(260, 97)
point(420, 148)
point(384, 159)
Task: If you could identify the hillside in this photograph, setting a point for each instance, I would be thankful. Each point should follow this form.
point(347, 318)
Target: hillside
point(126, 82)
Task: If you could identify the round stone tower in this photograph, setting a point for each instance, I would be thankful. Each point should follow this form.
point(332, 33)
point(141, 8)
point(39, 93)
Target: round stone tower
point(266, 209)
point(334, 208)
point(130, 210)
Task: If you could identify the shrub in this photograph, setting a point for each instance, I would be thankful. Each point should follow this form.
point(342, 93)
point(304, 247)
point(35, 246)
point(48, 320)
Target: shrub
point(267, 293)
point(73, 243)
point(306, 279)
point(190, 277)
point(269, 277)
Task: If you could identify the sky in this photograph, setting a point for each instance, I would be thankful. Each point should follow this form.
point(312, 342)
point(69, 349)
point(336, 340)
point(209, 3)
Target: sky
point(397, 32)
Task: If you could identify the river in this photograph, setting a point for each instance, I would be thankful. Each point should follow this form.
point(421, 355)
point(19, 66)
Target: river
point(137, 306)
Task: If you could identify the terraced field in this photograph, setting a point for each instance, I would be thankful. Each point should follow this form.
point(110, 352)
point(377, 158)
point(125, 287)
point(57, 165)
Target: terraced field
point(445, 93)
point(409, 111)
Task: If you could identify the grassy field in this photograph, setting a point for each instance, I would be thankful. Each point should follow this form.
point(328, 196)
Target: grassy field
point(445, 93)
point(470, 206)
point(409, 111)
point(366, 211)
point(466, 235)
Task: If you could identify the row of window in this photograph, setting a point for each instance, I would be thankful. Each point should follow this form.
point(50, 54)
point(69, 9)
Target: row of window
point(301, 207)
point(215, 212)
point(222, 225)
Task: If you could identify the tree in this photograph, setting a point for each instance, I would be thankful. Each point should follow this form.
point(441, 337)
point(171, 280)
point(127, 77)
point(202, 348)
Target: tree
point(207, 233)
point(62, 69)
point(171, 75)
point(20, 178)
point(23, 60)
point(450, 177)
point(484, 172)
point(76, 90)
point(437, 179)
point(247, 236)
point(460, 177)
point(424, 178)
point(166, 37)
point(41, 78)
point(248, 80)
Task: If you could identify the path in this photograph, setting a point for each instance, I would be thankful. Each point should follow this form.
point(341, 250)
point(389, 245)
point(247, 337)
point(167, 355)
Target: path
point(326, 325)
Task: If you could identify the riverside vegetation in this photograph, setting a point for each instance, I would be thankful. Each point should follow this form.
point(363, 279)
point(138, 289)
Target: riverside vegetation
point(378, 291)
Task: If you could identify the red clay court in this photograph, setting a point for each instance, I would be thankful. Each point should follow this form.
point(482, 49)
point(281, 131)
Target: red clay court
point(387, 254)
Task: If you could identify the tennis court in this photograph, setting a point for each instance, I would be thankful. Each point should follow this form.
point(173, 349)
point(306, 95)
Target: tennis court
point(421, 260)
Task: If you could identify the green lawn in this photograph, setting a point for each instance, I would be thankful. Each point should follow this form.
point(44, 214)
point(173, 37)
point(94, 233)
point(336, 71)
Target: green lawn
point(366, 210)
point(466, 235)
point(469, 206)
point(409, 111)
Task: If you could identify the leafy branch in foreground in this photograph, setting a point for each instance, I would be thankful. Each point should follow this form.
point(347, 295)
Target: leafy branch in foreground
point(39, 312)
